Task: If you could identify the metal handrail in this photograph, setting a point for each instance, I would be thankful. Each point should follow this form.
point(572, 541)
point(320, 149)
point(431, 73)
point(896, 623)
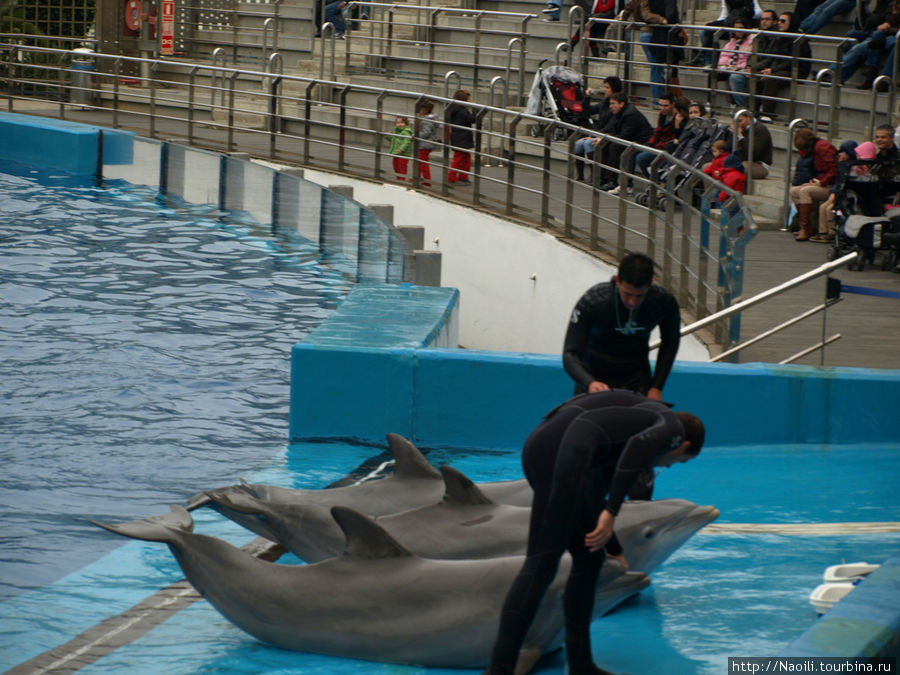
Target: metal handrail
point(759, 298)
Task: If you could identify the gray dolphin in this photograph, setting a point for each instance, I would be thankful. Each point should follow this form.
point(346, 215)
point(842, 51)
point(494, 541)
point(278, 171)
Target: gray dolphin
point(413, 483)
point(376, 601)
point(464, 524)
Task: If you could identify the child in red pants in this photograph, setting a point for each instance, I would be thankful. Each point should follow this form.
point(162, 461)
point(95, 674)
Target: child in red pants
point(401, 146)
point(462, 138)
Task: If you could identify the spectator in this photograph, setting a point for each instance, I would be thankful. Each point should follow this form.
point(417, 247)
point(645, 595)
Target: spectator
point(628, 124)
point(846, 154)
point(876, 39)
point(462, 140)
point(717, 165)
point(664, 133)
point(401, 146)
point(658, 16)
point(734, 59)
point(822, 15)
point(696, 110)
point(813, 178)
point(585, 146)
point(335, 13)
point(758, 166)
point(731, 10)
point(427, 127)
point(602, 9)
point(776, 68)
point(732, 176)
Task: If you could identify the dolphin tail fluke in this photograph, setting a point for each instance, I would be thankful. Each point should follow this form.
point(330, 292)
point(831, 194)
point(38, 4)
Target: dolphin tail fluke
point(460, 490)
point(409, 460)
point(365, 537)
point(154, 528)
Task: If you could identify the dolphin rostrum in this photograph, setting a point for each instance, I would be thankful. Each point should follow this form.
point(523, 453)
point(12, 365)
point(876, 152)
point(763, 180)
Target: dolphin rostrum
point(376, 601)
point(464, 524)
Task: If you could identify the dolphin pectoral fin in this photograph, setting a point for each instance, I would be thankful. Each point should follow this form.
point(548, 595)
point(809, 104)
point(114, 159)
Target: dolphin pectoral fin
point(154, 528)
point(365, 537)
point(528, 656)
point(460, 490)
point(409, 460)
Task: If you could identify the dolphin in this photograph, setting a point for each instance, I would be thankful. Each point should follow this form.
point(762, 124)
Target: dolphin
point(466, 523)
point(377, 601)
point(413, 483)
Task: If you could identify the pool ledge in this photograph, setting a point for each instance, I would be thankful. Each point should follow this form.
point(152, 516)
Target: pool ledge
point(865, 623)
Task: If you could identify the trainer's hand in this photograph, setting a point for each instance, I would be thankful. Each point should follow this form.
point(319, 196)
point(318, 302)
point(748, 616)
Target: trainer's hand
point(654, 394)
point(596, 386)
point(596, 539)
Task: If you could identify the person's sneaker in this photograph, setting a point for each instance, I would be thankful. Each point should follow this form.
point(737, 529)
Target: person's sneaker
point(550, 9)
point(766, 119)
point(339, 36)
point(615, 191)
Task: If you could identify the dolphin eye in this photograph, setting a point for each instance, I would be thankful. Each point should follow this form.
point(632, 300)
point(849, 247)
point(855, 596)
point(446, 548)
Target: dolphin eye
point(649, 533)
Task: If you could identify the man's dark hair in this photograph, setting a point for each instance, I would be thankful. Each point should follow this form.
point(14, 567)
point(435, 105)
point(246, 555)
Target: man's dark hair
point(694, 431)
point(614, 82)
point(668, 96)
point(636, 269)
point(772, 12)
point(619, 96)
point(884, 127)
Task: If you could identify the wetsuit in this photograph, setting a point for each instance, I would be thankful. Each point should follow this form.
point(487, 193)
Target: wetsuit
point(589, 447)
point(606, 342)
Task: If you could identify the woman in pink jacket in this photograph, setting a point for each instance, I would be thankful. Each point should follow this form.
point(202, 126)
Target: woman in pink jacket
point(735, 57)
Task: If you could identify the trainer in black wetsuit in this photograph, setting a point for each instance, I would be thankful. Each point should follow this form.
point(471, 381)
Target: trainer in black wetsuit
point(581, 461)
point(607, 342)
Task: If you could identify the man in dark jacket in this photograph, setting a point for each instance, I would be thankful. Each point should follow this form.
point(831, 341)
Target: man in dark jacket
point(607, 342)
point(627, 124)
point(757, 166)
point(777, 65)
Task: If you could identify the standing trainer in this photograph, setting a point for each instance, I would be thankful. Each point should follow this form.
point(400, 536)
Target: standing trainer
point(581, 461)
point(608, 340)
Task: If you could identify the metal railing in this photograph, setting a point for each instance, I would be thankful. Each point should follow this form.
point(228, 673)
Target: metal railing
point(518, 168)
point(832, 296)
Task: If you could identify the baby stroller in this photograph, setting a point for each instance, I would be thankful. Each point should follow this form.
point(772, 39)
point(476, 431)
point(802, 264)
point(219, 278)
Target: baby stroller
point(557, 92)
point(694, 148)
point(866, 212)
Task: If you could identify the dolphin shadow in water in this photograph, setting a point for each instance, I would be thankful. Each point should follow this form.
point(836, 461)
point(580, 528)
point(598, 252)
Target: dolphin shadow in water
point(376, 601)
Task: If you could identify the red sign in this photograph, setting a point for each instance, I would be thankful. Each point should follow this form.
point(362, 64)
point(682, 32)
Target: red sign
point(167, 28)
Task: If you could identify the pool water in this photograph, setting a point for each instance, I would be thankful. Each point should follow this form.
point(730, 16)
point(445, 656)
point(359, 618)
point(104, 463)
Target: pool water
point(144, 349)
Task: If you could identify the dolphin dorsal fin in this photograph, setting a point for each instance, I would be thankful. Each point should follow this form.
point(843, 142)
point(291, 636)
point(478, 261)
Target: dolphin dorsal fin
point(409, 460)
point(365, 537)
point(459, 489)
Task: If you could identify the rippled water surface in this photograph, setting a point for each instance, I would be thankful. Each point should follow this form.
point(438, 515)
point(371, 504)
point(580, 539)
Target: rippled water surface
point(144, 353)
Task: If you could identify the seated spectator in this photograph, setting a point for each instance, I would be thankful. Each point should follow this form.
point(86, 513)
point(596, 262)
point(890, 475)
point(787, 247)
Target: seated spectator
point(822, 15)
point(601, 118)
point(731, 10)
point(733, 176)
point(815, 174)
point(777, 67)
point(717, 165)
point(696, 110)
point(759, 164)
point(664, 133)
point(335, 13)
point(846, 154)
point(628, 124)
point(875, 41)
point(735, 57)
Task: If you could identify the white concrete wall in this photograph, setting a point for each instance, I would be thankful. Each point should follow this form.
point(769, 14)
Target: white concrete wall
point(492, 261)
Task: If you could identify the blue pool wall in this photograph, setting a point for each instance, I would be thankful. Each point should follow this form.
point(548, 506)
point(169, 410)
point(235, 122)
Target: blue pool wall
point(473, 398)
point(352, 238)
